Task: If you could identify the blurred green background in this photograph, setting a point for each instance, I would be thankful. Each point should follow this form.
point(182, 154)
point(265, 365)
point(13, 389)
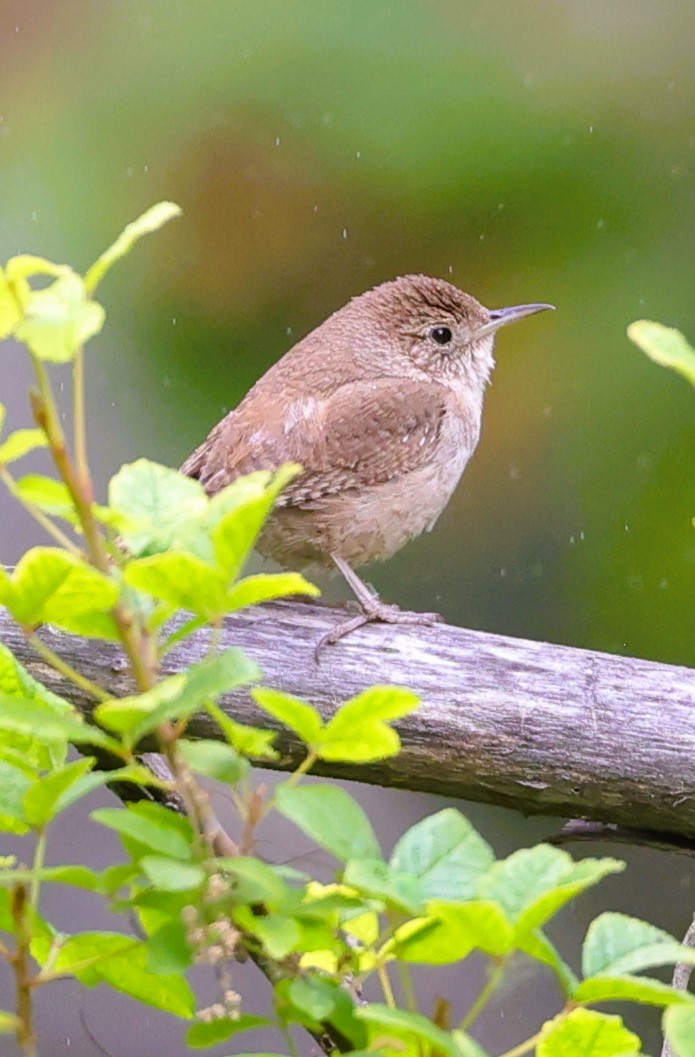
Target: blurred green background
point(528, 150)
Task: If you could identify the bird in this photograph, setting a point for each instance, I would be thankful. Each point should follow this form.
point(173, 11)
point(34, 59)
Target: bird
point(381, 406)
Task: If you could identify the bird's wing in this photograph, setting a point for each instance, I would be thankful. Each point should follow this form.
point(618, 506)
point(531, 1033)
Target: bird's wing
point(362, 434)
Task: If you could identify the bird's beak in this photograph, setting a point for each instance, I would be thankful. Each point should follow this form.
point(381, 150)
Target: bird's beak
point(499, 317)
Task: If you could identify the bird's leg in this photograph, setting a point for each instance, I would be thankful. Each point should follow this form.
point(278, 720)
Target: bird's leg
point(373, 609)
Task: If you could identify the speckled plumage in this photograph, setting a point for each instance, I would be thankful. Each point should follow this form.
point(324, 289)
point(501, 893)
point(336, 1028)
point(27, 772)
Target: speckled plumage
point(382, 418)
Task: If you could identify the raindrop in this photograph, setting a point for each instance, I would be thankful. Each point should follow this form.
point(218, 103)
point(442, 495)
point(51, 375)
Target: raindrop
point(358, 153)
point(34, 216)
point(626, 527)
point(591, 129)
point(173, 322)
point(345, 233)
point(451, 269)
point(500, 206)
point(600, 224)
point(288, 331)
point(277, 141)
point(503, 573)
point(582, 536)
point(145, 168)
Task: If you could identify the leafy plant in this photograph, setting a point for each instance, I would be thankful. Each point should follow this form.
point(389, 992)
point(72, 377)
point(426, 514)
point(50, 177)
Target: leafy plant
point(157, 563)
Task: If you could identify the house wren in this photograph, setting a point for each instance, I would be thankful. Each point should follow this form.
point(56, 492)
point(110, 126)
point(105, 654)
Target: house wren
point(381, 405)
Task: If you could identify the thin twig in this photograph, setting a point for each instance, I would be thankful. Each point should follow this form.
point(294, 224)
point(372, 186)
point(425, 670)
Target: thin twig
point(62, 666)
point(38, 515)
point(681, 979)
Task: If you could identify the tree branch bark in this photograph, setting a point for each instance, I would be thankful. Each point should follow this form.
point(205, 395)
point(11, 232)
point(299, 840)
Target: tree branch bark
point(545, 729)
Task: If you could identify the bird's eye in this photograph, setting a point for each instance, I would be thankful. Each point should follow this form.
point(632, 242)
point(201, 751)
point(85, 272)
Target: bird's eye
point(442, 335)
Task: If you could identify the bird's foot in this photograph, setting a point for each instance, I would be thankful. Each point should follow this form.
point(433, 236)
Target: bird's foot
point(374, 610)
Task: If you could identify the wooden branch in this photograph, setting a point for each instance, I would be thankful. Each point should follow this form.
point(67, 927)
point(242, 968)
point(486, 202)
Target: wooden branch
point(541, 728)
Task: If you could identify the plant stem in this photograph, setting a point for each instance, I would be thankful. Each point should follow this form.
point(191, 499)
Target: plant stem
point(181, 633)
point(80, 421)
point(386, 985)
point(48, 419)
point(20, 963)
point(39, 858)
point(43, 520)
point(65, 669)
point(408, 987)
point(483, 998)
point(523, 1047)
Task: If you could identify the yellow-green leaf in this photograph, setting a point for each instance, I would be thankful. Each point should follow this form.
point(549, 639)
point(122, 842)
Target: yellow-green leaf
point(59, 320)
point(20, 443)
point(665, 345)
point(10, 311)
point(51, 586)
point(151, 220)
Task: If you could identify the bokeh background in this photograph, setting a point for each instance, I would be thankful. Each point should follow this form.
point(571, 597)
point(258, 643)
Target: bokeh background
point(527, 150)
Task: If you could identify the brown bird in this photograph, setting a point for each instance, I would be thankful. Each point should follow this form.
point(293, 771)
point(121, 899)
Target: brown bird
point(381, 405)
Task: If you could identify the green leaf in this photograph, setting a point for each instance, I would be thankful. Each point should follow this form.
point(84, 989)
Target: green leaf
point(358, 731)
point(452, 930)
point(255, 882)
point(586, 1032)
point(665, 346)
point(122, 962)
point(177, 696)
point(9, 1023)
point(156, 503)
point(331, 817)
point(46, 797)
point(27, 717)
point(246, 508)
point(617, 944)
point(48, 495)
point(76, 876)
point(151, 220)
point(375, 878)
point(13, 787)
point(182, 580)
point(27, 266)
point(39, 749)
point(20, 443)
point(446, 853)
point(53, 587)
point(315, 1000)
point(264, 587)
point(534, 883)
point(247, 740)
point(151, 825)
point(59, 319)
point(279, 935)
point(410, 1026)
point(214, 759)
point(168, 950)
point(299, 716)
point(16, 681)
point(537, 945)
point(679, 1024)
point(605, 987)
point(170, 875)
point(10, 308)
point(203, 1034)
